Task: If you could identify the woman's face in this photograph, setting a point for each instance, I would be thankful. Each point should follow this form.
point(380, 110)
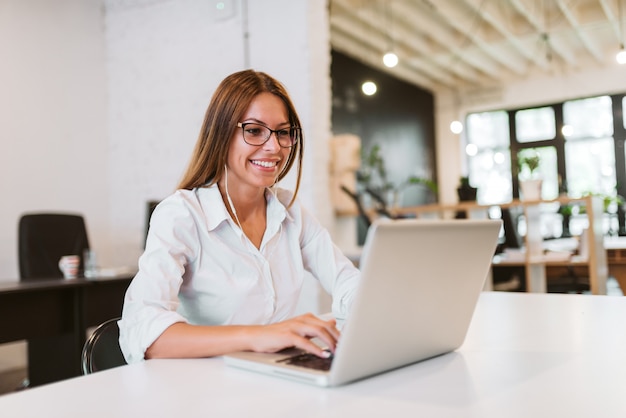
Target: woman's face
point(252, 165)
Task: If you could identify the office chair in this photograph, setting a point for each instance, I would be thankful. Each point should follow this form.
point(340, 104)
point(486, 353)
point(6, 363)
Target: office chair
point(102, 349)
point(43, 238)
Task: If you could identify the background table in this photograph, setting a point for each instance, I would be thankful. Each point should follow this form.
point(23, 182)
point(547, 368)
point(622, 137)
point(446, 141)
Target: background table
point(54, 315)
point(526, 355)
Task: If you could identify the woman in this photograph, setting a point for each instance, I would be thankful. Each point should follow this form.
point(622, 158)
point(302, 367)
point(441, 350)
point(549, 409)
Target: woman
point(226, 253)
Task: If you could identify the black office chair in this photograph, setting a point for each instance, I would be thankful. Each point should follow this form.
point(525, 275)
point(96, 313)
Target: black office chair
point(102, 349)
point(43, 238)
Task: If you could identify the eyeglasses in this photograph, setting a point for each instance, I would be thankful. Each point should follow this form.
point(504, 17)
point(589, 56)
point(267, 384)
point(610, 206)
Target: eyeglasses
point(257, 135)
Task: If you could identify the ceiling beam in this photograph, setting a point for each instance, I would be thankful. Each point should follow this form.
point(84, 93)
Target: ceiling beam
point(499, 22)
point(612, 18)
point(537, 22)
point(593, 49)
point(467, 24)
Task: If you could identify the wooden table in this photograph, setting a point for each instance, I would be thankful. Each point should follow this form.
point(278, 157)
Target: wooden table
point(54, 315)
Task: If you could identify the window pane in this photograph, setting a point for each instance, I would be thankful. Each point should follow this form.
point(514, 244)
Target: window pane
point(535, 124)
point(488, 129)
point(489, 161)
point(588, 118)
point(590, 167)
point(490, 172)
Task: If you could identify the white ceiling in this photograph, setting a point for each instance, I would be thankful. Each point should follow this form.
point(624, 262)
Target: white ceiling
point(467, 44)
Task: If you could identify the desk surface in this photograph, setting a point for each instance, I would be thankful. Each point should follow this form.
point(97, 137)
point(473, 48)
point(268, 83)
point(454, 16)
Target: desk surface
point(525, 355)
point(21, 286)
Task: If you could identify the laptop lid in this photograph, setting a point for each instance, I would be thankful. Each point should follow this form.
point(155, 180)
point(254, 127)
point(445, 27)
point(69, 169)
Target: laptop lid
point(419, 286)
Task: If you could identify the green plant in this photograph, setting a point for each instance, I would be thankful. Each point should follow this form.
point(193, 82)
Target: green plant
point(566, 209)
point(609, 201)
point(617, 200)
point(372, 176)
point(432, 186)
point(373, 172)
point(529, 159)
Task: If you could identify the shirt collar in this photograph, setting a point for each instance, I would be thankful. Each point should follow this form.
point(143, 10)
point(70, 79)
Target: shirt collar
point(215, 210)
point(213, 206)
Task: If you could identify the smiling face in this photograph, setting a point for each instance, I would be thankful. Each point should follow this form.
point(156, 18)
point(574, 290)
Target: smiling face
point(258, 166)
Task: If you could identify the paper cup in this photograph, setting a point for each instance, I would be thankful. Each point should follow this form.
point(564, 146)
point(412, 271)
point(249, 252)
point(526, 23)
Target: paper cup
point(68, 264)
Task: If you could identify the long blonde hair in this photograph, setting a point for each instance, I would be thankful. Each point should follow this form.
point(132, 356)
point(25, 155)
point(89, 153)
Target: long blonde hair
point(229, 103)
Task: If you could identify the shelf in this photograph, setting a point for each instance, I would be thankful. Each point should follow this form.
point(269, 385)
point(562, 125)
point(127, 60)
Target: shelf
point(593, 255)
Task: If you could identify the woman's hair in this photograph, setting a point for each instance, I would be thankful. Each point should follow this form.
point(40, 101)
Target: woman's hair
point(228, 105)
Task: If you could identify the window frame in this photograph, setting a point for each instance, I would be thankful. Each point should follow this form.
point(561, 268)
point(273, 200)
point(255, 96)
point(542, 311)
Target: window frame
point(558, 142)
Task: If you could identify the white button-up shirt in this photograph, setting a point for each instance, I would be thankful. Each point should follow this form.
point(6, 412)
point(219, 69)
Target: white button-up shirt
point(198, 267)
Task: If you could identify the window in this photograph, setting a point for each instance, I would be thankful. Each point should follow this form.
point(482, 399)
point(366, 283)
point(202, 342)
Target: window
point(588, 118)
point(489, 165)
point(576, 140)
point(589, 149)
point(535, 124)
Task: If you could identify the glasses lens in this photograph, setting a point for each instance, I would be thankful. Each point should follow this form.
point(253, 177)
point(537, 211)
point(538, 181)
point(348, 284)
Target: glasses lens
point(286, 137)
point(255, 134)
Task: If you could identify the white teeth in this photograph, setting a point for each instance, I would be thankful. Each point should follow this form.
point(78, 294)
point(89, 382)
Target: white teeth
point(267, 164)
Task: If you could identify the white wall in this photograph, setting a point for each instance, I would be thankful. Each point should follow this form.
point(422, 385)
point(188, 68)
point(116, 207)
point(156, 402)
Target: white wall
point(53, 124)
point(562, 86)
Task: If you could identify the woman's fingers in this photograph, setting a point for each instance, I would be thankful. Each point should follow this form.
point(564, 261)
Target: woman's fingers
point(313, 327)
point(298, 332)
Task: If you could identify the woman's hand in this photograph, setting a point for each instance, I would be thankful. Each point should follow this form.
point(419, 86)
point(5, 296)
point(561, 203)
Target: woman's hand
point(296, 332)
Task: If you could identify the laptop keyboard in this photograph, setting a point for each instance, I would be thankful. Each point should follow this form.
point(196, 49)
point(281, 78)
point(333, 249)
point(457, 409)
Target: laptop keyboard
point(310, 361)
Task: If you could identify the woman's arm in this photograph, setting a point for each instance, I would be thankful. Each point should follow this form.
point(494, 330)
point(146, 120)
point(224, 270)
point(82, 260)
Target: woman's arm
point(182, 340)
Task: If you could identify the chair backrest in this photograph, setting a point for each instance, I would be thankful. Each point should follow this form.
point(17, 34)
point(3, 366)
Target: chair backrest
point(43, 238)
point(102, 349)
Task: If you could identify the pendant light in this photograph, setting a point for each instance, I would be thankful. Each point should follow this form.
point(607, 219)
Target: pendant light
point(390, 59)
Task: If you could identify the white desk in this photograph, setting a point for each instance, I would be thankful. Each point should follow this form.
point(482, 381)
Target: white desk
point(526, 355)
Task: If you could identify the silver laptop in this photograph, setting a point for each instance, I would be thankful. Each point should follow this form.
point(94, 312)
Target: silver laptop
point(420, 283)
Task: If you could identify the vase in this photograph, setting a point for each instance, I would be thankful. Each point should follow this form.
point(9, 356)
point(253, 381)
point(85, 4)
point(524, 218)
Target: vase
point(530, 189)
point(467, 193)
point(566, 232)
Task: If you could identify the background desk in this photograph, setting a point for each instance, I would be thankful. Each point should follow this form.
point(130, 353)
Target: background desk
point(54, 315)
point(526, 355)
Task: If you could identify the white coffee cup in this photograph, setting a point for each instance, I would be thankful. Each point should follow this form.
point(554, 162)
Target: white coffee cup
point(68, 264)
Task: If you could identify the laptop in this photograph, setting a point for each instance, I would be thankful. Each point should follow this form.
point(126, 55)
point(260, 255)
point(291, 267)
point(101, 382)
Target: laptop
point(420, 283)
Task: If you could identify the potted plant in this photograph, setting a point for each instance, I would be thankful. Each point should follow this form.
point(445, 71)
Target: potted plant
point(466, 192)
point(373, 182)
point(529, 180)
point(529, 160)
point(566, 210)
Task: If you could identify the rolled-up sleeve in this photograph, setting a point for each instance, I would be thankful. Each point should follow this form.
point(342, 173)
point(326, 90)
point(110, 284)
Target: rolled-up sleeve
point(151, 301)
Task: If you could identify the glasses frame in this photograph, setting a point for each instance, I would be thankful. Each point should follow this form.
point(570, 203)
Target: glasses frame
point(297, 129)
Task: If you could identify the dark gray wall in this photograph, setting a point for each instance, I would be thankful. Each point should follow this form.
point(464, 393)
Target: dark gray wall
point(399, 117)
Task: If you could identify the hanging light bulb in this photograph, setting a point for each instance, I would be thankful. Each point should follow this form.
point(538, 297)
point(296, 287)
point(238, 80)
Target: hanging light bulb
point(621, 56)
point(390, 59)
point(456, 127)
point(369, 88)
